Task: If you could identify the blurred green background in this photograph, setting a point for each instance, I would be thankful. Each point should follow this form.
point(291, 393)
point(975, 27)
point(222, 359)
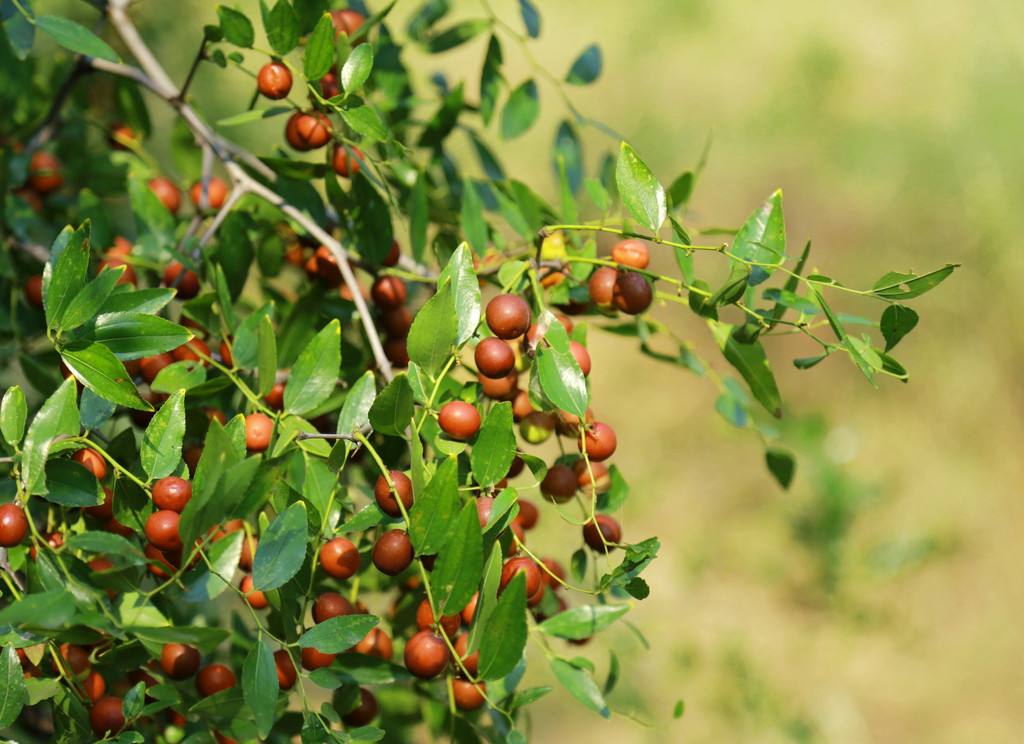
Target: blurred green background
point(879, 599)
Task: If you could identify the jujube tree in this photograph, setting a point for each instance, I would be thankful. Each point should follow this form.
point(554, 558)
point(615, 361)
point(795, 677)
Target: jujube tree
point(275, 450)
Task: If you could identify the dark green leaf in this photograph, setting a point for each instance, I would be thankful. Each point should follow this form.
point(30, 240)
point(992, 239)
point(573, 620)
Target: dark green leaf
point(75, 38)
point(57, 417)
point(897, 286)
point(392, 410)
point(844, 339)
point(587, 67)
point(457, 35)
point(260, 686)
point(65, 274)
point(581, 685)
point(434, 509)
point(315, 372)
point(339, 633)
point(490, 80)
point(204, 638)
point(504, 637)
point(568, 149)
point(781, 465)
point(12, 686)
point(133, 701)
point(495, 446)
point(897, 322)
point(471, 218)
point(267, 365)
point(641, 193)
point(583, 622)
point(466, 288)
point(161, 442)
point(521, 110)
point(364, 119)
point(236, 27)
point(87, 303)
point(13, 412)
point(354, 412)
point(762, 239)
point(281, 550)
point(319, 55)
point(183, 375)
point(281, 24)
point(752, 364)
point(461, 563)
point(531, 17)
point(432, 336)
point(45, 610)
point(135, 335)
point(70, 484)
point(561, 379)
point(146, 301)
point(106, 543)
point(103, 373)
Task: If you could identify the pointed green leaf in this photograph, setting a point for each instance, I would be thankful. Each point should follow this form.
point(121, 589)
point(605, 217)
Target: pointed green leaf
point(897, 286)
point(357, 68)
point(281, 24)
point(504, 637)
point(641, 192)
point(75, 37)
point(87, 303)
point(319, 55)
point(587, 67)
point(135, 335)
point(12, 686)
point(495, 446)
point(236, 27)
point(471, 218)
point(103, 373)
point(315, 373)
point(392, 410)
point(66, 273)
point(752, 364)
point(432, 336)
point(281, 550)
point(58, 417)
point(460, 565)
point(521, 110)
point(762, 239)
point(260, 686)
point(13, 412)
point(583, 622)
point(339, 633)
point(161, 443)
point(897, 322)
point(434, 509)
point(581, 685)
point(490, 80)
point(781, 465)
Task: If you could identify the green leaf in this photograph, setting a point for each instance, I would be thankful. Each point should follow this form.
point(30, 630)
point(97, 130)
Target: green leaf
point(87, 303)
point(531, 18)
point(490, 80)
point(897, 322)
point(434, 509)
point(183, 375)
point(204, 638)
point(247, 117)
point(488, 597)
point(357, 68)
point(568, 163)
point(146, 301)
point(281, 24)
point(260, 686)
point(457, 35)
point(45, 610)
point(106, 543)
point(245, 349)
point(521, 110)
point(12, 686)
point(781, 465)
point(752, 364)
point(561, 378)
point(504, 637)
point(236, 27)
point(57, 417)
point(13, 412)
point(392, 410)
point(460, 565)
point(355, 410)
point(135, 335)
point(205, 509)
point(103, 373)
point(419, 217)
point(581, 685)
point(495, 446)
point(207, 582)
point(432, 335)
point(133, 702)
point(465, 285)
point(762, 239)
point(471, 218)
point(583, 622)
point(897, 286)
point(363, 119)
point(319, 55)
point(339, 633)
point(161, 443)
point(282, 549)
point(66, 273)
point(69, 484)
point(75, 38)
point(844, 339)
point(641, 192)
point(315, 372)
point(267, 359)
point(94, 411)
point(587, 67)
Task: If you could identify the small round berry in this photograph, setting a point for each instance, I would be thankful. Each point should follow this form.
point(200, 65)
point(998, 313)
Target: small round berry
point(396, 321)
point(468, 695)
point(397, 351)
point(579, 351)
point(425, 619)
point(522, 406)
point(274, 80)
point(608, 527)
point(275, 398)
point(308, 131)
point(105, 510)
point(559, 483)
point(503, 388)
point(193, 350)
point(77, 658)
point(92, 461)
point(600, 442)
point(172, 493)
point(106, 716)
point(376, 643)
point(331, 604)
point(339, 558)
point(162, 530)
point(388, 292)
point(13, 525)
point(597, 477)
point(314, 659)
point(256, 599)
point(34, 290)
point(249, 545)
point(258, 430)
point(44, 173)
point(179, 661)
point(633, 293)
point(286, 674)
point(631, 252)
point(553, 567)
point(528, 514)
point(346, 163)
point(167, 193)
point(213, 678)
point(392, 553)
point(95, 686)
point(216, 193)
point(602, 286)
point(364, 712)
point(386, 497)
point(524, 566)
point(508, 316)
point(494, 358)
point(150, 366)
point(470, 661)
point(347, 21)
point(459, 420)
point(330, 86)
point(426, 655)
point(182, 279)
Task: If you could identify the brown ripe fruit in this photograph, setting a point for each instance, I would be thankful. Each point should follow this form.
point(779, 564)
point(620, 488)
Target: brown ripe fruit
point(166, 192)
point(631, 252)
point(249, 545)
point(162, 530)
point(225, 354)
point(95, 686)
point(376, 643)
point(484, 506)
point(608, 527)
point(150, 366)
point(182, 279)
point(601, 478)
point(494, 358)
point(274, 80)
point(508, 316)
point(308, 131)
point(504, 388)
point(394, 255)
point(386, 497)
point(92, 461)
point(330, 86)
point(392, 553)
point(471, 661)
point(633, 293)
point(106, 716)
point(216, 193)
point(396, 321)
point(172, 493)
point(364, 712)
point(314, 659)
point(339, 558)
point(331, 604)
point(524, 566)
point(327, 266)
point(44, 173)
point(275, 398)
point(397, 351)
point(579, 351)
point(13, 525)
point(469, 610)
point(468, 695)
point(528, 514)
point(521, 406)
point(600, 441)
point(105, 510)
point(191, 457)
point(346, 162)
point(256, 599)
point(388, 292)
point(559, 483)
point(425, 619)
point(76, 657)
point(160, 566)
point(347, 21)
point(99, 564)
point(553, 567)
point(459, 420)
point(258, 430)
point(426, 655)
point(286, 674)
point(535, 599)
point(602, 286)
point(34, 290)
point(179, 661)
point(213, 678)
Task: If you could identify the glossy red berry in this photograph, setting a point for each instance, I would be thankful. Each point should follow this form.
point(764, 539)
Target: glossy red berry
point(508, 316)
point(106, 716)
point(274, 80)
point(315, 659)
point(286, 674)
point(162, 530)
point(471, 662)
point(559, 483)
point(528, 514)
point(425, 619)
point(182, 279)
point(426, 655)
point(524, 566)
point(331, 604)
point(308, 131)
point(346, 161)
point(633, 293)
point(258, 430)
point(376, 643)
point(95, 686)
point(459, 420)
point(608, 527)
point(600, 442)
point(256, 599)
point(216, 193)
point(172, 493)
point(579, 351)
point(602, 286)
point(13, 525)
point(468, 695)
point(386, 497)
point(339, 558)
point(34, 290)
point(392, 553)
point(213, 678)
point(494, 358)
point(167, 193)
point(388, 292)
point(179, 661)
point(347, 21)
point(364, 712)
point(44, 173)
point(631, 252)
point(92, 461)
